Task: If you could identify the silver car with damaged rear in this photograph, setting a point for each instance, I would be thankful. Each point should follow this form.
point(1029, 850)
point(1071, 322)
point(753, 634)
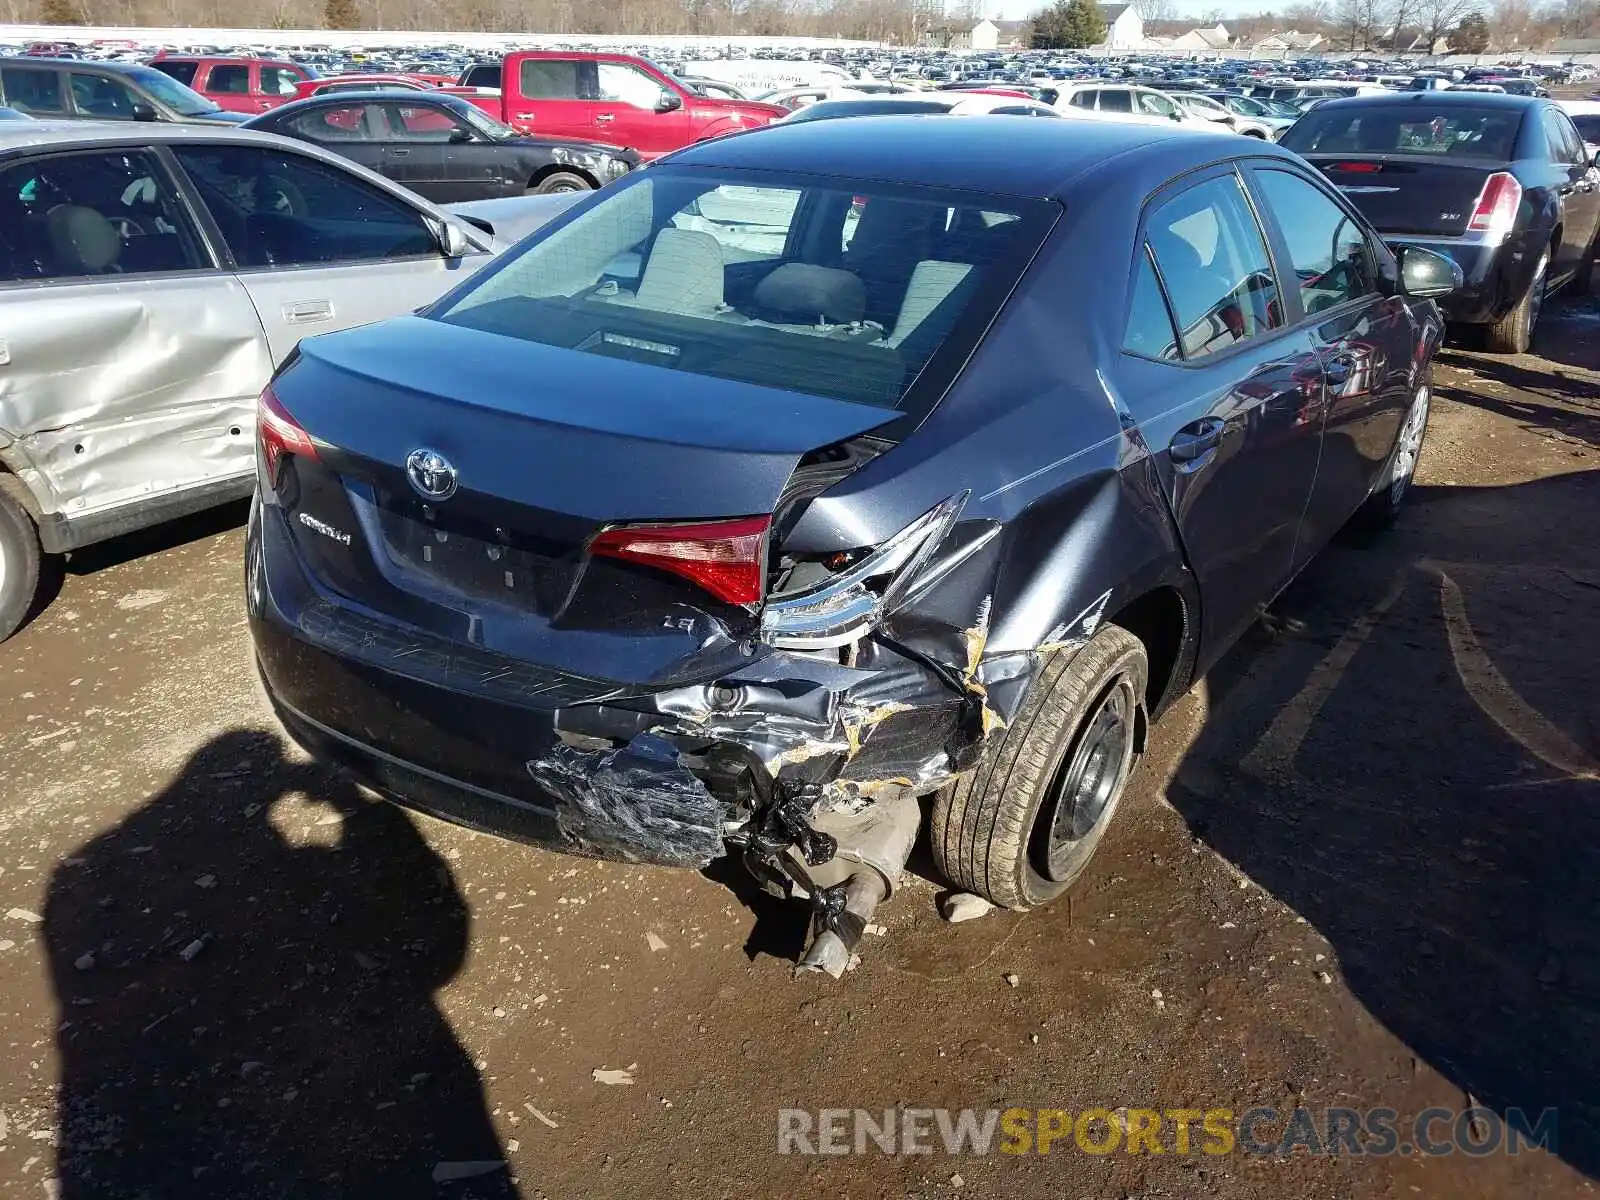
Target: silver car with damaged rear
point(151, 278)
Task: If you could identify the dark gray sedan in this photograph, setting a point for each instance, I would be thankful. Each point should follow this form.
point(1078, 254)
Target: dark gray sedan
point(444, 147)
point(823, 468)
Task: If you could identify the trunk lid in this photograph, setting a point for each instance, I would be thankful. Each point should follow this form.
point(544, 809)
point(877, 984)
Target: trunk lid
point(1415, 194)
point(549, 446)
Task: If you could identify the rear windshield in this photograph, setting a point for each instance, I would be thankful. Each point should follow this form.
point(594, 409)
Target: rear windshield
point(801, 284)
point(1458, 132)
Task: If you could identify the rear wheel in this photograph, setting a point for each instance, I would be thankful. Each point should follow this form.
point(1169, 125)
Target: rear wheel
point(1513, 333)
point(557, 182)
point(1024, 824)
point(20, 561)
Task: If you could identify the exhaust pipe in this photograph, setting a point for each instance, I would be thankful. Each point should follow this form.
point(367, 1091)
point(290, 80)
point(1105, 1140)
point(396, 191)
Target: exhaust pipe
point(833, 944)
point(873, 845)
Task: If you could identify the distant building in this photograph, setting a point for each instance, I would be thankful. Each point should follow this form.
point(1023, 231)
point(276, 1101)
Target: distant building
point(1290, 42)
point(980, 35)
point(989, 35)
point(1124, 27)
point(1201, 40)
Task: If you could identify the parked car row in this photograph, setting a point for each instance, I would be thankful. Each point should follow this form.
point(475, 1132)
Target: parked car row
point(151, 277)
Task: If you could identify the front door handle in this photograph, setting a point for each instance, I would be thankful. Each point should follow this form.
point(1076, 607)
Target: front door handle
point(397, 151)
point(603, 118)
point(307, 312)
point(1196, 440)
point(523, 116)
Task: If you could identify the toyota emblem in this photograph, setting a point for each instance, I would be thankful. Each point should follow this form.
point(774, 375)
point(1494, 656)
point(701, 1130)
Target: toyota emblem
point(431, 475)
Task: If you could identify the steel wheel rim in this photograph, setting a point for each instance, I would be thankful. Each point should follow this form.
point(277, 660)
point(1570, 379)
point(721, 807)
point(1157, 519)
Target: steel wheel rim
point(1089, 782)
point(1409, 446)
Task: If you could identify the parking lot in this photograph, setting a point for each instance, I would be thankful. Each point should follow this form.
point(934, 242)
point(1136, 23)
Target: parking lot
point(1358, 869)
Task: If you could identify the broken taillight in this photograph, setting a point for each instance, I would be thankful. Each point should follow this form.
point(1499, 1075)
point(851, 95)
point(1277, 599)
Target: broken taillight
point(1496, 209)
point(279, 434)
point(727, 558)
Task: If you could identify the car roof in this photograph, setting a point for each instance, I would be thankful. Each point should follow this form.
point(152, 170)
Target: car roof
point(24, 135)
point(999, 155)
point(409, 97)
point(1429, 99)
point(76, 64)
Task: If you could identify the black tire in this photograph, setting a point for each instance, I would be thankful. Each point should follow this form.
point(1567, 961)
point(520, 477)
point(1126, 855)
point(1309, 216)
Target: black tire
point(557, 182)
point(20, 564)
point(1513, 333)
point(1383, 506)
point(992, 831)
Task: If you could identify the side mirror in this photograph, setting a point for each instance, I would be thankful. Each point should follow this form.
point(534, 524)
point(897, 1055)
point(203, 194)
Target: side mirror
point(452, 242)
point(1426, 275)
point(669, 102)
point(143, 112)
point(461, 137)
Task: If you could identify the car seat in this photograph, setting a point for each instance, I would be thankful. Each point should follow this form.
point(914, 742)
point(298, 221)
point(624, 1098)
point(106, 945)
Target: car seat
point(82, 241)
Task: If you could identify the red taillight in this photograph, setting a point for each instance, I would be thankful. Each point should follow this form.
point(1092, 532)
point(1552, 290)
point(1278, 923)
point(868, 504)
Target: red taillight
point(278, 434)
point(1496, 210)
point(727, 558)
point(1358, 168)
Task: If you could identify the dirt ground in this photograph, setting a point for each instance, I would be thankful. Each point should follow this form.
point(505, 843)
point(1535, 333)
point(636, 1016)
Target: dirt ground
point(1360, 867)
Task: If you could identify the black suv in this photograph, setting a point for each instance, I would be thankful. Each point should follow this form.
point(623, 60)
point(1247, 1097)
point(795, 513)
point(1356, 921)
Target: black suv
point(57, 88)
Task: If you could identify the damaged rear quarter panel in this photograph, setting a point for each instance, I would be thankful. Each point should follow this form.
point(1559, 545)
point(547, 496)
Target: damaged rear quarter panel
point(116, 392)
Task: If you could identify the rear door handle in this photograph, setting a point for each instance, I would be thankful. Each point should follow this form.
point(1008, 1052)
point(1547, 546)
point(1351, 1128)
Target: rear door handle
point(397, 151)
point(604, 117)
point(1196, 440)
point(307, 312)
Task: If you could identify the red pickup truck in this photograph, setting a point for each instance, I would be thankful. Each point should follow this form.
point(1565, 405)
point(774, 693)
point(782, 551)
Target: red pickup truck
point(618, 99)
point(246, 85)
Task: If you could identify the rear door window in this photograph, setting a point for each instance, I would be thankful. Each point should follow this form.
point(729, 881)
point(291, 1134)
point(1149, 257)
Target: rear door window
point(1214, 265)
point(550, 79)
point(106, 214)
point(32, 90)
point(1116, 100)
point(1150, 333)
point(279, 81)
point(231, 80)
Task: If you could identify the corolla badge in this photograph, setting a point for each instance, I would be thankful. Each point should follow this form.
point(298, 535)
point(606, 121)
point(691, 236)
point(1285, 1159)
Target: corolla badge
point(431, 475)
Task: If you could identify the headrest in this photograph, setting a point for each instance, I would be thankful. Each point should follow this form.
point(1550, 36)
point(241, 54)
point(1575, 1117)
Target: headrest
point(81, 238)
point(683, 273)
point(811, 293)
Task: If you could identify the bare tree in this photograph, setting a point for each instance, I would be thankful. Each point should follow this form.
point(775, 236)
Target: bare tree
point(1439, 17)
point(1157, 10)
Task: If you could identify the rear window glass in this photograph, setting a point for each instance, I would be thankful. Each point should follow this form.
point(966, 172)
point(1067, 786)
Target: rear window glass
point(1458, 133)
point(796, 284)
point(1589, 126)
